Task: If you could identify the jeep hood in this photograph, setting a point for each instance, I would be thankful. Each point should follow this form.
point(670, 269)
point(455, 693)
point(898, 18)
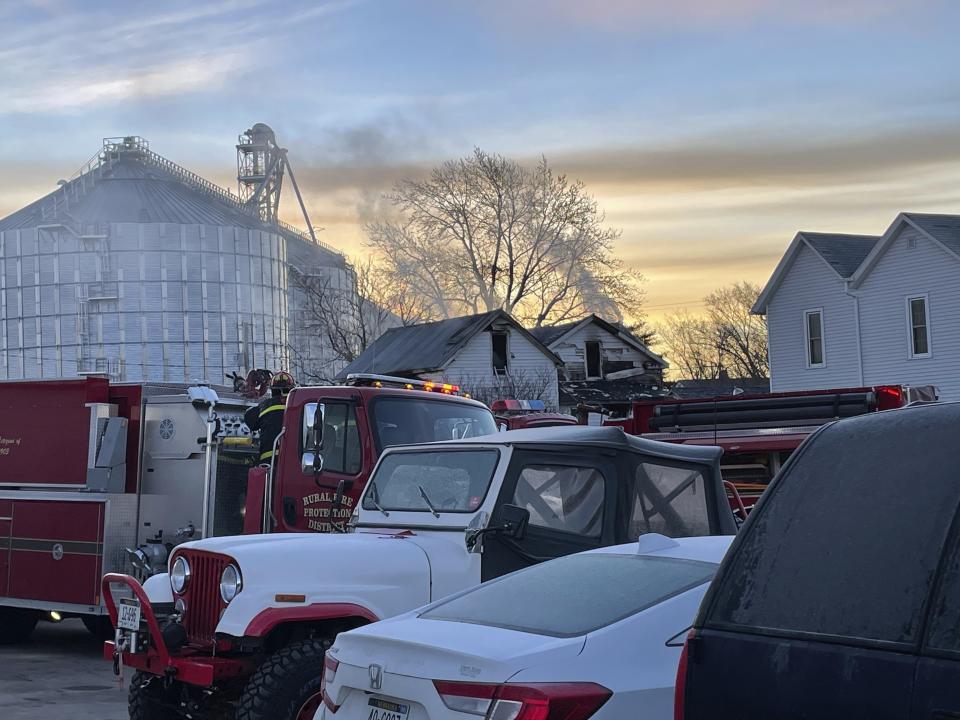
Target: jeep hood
point(383, 573)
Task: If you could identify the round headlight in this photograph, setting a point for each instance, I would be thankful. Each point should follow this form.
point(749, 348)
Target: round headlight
point(180, 574)
point(230, 583)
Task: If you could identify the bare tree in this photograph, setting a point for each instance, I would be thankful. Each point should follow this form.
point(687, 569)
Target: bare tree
point(742, 336)
point(518, 385)
point(726, 339)
point(346, 313)
point(483, 233)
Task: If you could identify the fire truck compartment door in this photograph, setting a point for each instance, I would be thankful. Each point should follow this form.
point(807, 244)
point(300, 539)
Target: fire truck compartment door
point(109, 473)
point(56, 548)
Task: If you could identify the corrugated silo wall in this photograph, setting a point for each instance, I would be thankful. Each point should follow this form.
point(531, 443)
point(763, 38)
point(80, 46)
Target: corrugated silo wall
point(148, 301)
point(312, 359)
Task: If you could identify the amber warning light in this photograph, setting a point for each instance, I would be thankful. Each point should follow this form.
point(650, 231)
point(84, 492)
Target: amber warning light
point(379, 381)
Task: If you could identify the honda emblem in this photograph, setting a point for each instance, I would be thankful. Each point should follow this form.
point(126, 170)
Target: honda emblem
point(376, 677)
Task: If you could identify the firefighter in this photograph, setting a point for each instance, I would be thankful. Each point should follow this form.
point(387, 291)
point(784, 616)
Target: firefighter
point(267, 416)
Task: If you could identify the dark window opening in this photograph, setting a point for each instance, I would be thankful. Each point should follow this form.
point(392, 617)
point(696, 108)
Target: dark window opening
point(500, 352)
point(594, 367)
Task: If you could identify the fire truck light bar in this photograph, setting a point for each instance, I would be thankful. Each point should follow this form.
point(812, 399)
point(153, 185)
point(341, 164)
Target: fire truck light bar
point(379, 381)
point(518, 406)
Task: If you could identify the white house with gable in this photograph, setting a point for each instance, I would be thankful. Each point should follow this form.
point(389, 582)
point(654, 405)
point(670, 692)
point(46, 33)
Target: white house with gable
point(865, 310)
point(489, 355)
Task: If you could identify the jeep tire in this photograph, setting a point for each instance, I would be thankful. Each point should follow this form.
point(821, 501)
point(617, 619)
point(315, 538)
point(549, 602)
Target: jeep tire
point(16, 624)
point(99, 626)
point(145, 698)
point(287, 685)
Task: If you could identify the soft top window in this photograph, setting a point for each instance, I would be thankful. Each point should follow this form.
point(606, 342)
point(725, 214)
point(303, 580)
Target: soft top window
point(560, 597)
point(847, 542)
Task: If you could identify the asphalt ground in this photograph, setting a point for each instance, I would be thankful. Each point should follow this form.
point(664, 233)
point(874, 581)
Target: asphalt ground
point(58, 674)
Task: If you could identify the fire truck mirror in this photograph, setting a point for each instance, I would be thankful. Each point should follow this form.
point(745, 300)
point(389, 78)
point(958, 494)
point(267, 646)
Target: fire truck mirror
point(312, 426)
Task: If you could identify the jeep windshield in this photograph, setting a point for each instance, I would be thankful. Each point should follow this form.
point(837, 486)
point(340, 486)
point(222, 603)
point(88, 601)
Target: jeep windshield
point(411, 420)
point(431, 481)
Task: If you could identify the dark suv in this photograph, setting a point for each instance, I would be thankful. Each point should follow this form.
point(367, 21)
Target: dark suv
point(840, 598)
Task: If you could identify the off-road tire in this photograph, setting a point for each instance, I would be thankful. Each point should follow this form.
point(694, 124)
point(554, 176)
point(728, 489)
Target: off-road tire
point(143, 698)
point(99, 626)
point(285, 681)
point(16, 624)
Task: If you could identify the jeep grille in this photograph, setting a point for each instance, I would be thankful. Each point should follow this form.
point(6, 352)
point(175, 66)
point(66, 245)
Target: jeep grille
point(202, 596)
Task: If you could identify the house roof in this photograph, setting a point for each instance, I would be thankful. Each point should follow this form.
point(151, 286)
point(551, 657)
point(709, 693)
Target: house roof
point(942, 230)
point(841, 252)
point(551, 335)
point(605, 392)
point(429, 347)
point(945, 229)
point(718, 387)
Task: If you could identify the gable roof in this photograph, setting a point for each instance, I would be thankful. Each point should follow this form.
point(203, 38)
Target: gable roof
point(429, 347)
point(553, 334)
point(942, 230)
point(843, 253)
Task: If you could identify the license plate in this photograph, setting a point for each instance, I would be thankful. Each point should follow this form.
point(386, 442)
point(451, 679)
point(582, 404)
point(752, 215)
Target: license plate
point(381, 709)
point(128, 614)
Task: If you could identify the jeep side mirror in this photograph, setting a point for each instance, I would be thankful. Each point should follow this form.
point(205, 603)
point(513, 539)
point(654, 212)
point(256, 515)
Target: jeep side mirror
point(513, 524)
point(514, 521)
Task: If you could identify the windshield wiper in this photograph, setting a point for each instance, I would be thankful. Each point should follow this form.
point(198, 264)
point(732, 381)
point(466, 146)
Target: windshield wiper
point(375, 498)
point(426, 499)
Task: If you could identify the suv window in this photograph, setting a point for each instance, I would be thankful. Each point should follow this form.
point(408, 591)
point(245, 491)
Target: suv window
point(560, 597)
point(670, 500)
point(945, 620)
point(562, 497)
point(861, 513)
point(340, 447)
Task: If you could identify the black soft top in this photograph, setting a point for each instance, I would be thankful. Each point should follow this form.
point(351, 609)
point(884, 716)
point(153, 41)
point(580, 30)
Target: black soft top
point(609, 436)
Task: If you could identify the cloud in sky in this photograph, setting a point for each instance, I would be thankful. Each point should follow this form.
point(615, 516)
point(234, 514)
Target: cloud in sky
point(710, 131)
point(634, 15)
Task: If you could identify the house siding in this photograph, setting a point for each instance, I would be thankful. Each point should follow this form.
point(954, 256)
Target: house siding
point(571, 349)
point(811, 284)
point(903, 271)
point(473, 365)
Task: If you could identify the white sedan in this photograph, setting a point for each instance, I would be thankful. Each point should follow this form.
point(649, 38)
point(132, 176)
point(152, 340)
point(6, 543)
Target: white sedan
point(592, 635)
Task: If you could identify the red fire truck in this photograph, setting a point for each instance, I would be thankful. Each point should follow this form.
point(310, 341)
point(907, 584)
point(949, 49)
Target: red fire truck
point(518, 414)
point(759, 432)
point(98, 477)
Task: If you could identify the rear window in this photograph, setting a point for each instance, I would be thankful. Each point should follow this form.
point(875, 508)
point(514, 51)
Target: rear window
point(560, 598)
point(848, 540)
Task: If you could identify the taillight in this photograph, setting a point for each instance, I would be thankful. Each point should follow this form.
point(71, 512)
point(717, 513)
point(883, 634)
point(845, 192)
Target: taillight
point(330, 665)
point(515, 701)
point(680, 686)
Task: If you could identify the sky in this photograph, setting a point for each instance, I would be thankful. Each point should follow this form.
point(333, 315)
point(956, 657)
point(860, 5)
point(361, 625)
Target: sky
point(709, 131)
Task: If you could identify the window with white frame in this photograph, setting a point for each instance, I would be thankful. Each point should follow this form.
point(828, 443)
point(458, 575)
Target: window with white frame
point(813, 329)
point(918, 325)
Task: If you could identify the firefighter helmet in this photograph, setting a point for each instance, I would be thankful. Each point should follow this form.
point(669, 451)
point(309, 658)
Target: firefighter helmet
point(283, 381)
